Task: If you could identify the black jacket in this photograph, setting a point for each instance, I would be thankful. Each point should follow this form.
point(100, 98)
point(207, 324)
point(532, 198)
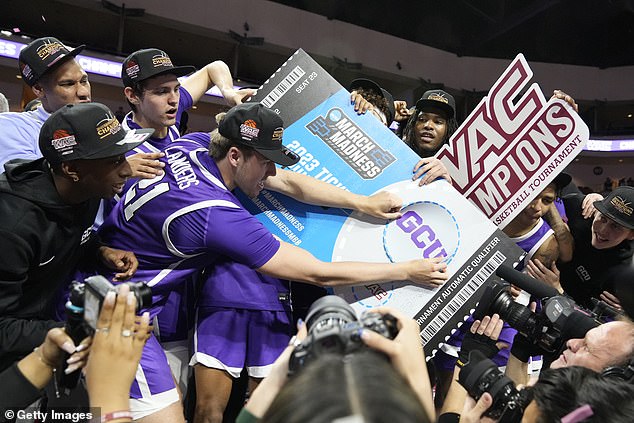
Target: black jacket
point(42, 240)
point(592, 271)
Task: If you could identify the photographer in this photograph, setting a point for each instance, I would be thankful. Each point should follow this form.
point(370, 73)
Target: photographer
point(360, 384)
point(110, 359)
point(483, 336)
point(573, 394)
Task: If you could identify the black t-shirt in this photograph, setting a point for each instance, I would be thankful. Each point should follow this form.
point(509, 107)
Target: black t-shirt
point(592, 271)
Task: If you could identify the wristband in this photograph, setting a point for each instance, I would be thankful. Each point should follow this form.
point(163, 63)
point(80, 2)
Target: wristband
point(123, 414)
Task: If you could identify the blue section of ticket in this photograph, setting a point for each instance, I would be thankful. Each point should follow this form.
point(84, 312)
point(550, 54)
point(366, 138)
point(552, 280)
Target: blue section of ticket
point(340, 147)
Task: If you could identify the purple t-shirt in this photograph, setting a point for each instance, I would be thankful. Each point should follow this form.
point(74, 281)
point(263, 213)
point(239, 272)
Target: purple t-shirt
point(233, 285)
point(185, 220)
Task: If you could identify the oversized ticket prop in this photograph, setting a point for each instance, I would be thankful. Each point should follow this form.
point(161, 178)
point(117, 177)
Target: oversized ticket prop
point(358, 153)
point(507, 151)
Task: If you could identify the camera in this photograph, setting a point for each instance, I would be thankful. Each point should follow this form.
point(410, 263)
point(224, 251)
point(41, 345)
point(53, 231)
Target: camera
point(86, 299)
point(82, 313)
point(480, 375)
point(333, 328)
point(559, 319)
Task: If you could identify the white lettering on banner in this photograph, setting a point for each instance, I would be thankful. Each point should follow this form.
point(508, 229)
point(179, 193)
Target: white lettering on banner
point(505, 150)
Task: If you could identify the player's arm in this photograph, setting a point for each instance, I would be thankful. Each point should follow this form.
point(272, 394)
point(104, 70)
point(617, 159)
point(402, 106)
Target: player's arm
point(293, 263)
point(310, 190)
point(565, 241)
point(215, 73)
point(548, 252)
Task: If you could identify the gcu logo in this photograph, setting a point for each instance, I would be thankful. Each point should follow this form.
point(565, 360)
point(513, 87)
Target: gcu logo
point(583, 273)
point(426, 230)
point(422, 235)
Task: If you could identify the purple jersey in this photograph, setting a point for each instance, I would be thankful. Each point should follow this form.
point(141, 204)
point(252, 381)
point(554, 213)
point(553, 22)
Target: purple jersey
point(172, 324)
point(233, 285)
point(533, 239)
point(185, 220)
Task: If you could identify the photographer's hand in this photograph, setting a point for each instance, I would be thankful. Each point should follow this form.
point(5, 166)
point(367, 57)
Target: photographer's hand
point(406, 353)
point(611, 300)
point(115, 352)
point(125, 262)
point(262, 397)
point(483, 337)
point(473, 411)
point(38, 366)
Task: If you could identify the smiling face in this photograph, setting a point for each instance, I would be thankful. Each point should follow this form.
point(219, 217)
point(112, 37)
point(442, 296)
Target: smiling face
point(103, 178)
point(430, 130)
point(603, 346)
point(157, 105)
point(252, 171)
point(606, 233)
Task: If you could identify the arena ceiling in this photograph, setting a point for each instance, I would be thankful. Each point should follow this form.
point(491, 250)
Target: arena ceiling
point(598, 33)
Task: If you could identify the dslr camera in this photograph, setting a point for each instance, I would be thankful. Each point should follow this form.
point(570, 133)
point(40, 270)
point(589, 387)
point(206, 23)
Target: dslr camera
point(86, 298)
point(82, 313)
point(333, 328)
point(560, 318)
point(480, 375)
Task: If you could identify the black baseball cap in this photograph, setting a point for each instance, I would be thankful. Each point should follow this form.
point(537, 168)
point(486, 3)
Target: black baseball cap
point(618, 206)
point(86, 131)
point(370, 85)
point(149, 62)
point(561, 181)
point(40, 55)
point(438, 99)
point(258, 127)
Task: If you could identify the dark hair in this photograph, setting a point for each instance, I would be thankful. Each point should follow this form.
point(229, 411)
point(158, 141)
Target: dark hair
point(219, 145)
point(335, 386)
point(376, 100)
point(409, 133)
point(561, 391)
point(138, 88)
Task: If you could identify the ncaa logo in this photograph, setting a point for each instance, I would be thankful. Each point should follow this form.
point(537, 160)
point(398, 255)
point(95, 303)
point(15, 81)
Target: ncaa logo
point(425, 230)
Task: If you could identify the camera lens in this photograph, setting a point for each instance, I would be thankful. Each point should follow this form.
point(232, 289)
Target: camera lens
point(143, 294)
point(329, 311)
point(480, 375)
point(497, 299)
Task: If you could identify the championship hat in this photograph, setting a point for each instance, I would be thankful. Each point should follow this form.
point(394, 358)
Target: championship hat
point(258, 127)
point(618, 206)
point(86, 131)
point(149, 62)
point(40, 55)
point(438, 99)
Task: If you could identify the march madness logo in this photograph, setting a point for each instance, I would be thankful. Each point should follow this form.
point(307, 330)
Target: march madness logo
point(350, 143)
